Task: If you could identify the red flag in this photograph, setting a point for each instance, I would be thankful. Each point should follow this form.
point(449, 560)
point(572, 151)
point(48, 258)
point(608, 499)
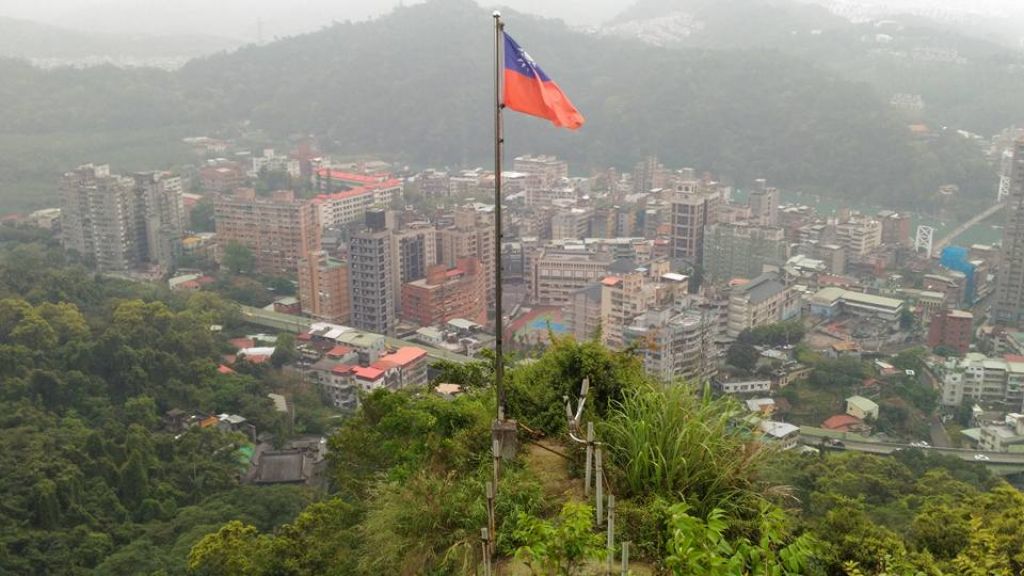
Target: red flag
point(529, 90)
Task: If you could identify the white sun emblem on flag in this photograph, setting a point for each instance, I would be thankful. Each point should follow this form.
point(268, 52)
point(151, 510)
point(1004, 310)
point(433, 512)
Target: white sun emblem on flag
point(525, 60)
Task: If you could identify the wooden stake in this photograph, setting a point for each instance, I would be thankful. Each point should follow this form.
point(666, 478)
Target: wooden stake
point(611, 532)
point(590, 460)
point(491, 525)
point(484, 539)
point(625, 558)
point(599, 477)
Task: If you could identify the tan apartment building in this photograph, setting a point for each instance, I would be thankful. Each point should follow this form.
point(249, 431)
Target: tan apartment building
point(324, 288)
point(556, 273)
point(279, 230)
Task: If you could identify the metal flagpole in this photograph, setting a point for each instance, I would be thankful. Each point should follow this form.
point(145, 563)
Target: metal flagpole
point(499, 361)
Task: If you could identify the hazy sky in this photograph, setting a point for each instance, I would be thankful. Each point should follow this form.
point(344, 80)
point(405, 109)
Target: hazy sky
point(238, 18)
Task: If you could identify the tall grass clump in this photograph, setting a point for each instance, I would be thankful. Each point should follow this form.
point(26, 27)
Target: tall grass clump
point(681, 445)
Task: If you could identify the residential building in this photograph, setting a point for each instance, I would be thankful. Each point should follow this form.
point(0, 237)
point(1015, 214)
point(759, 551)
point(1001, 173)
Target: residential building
point(583, 312)
point(675, 345)
point(895, 228)
point(98, 217)
point(549, 168)
point(470, 236)
point(372, 276)
point(413, 252)
point(324, 287)
point(446, 294)
point(121, 223)
point(159, 213)
point(691, 211)
point(556, 273)
point(859, 235)
point(862, 408)
point(745, 387)
point(1008, 307)
point(764, 204)
point(278, 230)
point(782, 434)
point(573, 223)
point(952, 329)
point(626, 295)
point(741, 251)
point(979, 378)
point(762, 301)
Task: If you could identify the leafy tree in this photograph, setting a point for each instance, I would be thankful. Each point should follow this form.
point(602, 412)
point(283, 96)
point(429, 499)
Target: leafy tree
point(703, 547)
point(238, 258)
point(234, 549)
point(560, 546)
point(742, 356)
point(284, 350)
point(201, 217)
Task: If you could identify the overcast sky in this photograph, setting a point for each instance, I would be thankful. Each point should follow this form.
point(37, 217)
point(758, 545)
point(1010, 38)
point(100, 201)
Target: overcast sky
point(239, 18)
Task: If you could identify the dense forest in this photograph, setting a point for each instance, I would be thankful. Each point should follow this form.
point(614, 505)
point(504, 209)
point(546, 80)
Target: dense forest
point(94, 483)
point(414, 86)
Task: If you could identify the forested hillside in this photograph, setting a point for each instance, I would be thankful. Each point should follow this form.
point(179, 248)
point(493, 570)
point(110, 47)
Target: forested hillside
point(416, 86)
point(92, 482)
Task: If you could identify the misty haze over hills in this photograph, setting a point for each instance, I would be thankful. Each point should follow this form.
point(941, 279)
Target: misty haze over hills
point(248, 20)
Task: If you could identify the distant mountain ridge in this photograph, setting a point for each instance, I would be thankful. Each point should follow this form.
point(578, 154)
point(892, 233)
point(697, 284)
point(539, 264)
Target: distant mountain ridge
point(34, 41)
point(416, 86)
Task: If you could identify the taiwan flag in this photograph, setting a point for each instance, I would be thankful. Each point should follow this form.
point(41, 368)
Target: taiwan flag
point(529, 90)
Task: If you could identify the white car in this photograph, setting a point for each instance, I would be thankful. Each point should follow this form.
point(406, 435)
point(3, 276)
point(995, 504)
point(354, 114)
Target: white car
point(981, 458)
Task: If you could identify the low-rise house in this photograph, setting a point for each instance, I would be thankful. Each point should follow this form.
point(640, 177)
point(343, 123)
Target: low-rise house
point(861, 407)
point(783, 434)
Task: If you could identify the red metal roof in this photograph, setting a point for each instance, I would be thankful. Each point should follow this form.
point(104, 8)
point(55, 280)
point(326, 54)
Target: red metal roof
point(405, 355)
point(343, 368)
point(339, 351)
point(368, 373)
point(840, 422)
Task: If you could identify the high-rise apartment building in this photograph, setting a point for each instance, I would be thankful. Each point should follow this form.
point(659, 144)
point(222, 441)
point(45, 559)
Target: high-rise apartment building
point(470, 236)
point(324, 288)
point(583, 312)
point(98, 217)
point(764, 300)
point(741, 251)
point(372, 277)
point(446, 294)
point(278, 230)
point(764, 203)
point(859, 235)
point(953, 329)
point(556, 274)
point(1008, 308)
point(119, 222)
point(675, 345)
point(159, 217)
point(413, 252)
point(573, 223)
point(693, 208)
